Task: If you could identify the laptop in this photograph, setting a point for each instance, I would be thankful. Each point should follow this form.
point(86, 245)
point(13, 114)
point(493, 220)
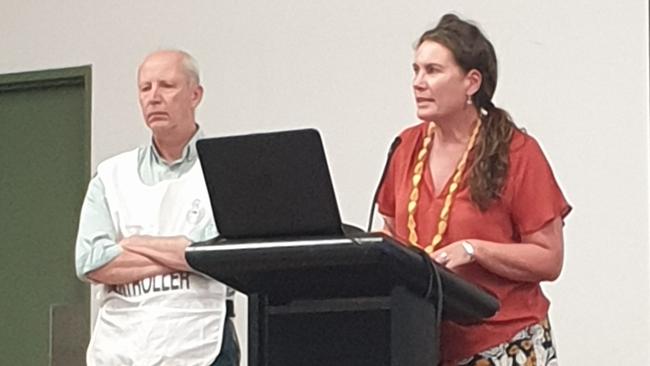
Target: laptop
point(270, 185)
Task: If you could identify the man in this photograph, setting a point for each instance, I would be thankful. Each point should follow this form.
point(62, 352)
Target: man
point(142, 209)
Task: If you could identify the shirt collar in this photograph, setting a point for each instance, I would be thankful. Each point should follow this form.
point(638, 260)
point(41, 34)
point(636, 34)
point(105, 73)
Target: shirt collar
point(189, 151)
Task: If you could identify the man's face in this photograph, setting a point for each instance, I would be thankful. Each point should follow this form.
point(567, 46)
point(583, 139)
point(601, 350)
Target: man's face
point(168, 97)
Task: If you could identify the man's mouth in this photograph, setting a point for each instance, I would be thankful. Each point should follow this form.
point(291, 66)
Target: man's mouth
point(157, 115)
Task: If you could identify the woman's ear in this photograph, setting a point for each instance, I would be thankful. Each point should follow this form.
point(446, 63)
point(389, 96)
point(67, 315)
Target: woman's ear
point(473, 80)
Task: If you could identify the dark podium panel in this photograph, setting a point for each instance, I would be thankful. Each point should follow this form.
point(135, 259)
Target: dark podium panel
point(340, 301)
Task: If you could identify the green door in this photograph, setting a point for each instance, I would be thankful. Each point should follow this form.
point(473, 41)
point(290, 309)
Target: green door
point(44, 170)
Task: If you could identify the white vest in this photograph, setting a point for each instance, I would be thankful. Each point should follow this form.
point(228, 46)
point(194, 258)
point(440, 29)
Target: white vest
point(173, 319)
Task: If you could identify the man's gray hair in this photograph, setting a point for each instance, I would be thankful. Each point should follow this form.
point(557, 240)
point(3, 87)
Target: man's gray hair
point(189, 63)
point(191, 66)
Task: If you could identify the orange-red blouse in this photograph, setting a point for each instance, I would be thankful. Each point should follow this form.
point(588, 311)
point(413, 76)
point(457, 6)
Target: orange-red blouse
point(531, 198)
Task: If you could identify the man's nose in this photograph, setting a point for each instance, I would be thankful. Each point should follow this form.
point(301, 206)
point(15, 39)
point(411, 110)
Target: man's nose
point(154, 94)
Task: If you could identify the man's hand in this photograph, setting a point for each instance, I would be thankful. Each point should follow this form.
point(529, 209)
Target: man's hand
point(167, 250)
point(142, 257)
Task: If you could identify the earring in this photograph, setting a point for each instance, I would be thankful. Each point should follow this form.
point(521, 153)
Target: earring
point(469, 100)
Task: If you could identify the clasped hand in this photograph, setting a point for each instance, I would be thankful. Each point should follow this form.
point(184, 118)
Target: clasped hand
point(452, 255)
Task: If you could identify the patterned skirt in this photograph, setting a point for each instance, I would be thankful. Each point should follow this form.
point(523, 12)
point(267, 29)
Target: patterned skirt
point(532, 346)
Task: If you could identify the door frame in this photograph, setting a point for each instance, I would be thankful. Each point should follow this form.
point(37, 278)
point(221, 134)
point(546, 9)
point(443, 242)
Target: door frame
point(80, 76)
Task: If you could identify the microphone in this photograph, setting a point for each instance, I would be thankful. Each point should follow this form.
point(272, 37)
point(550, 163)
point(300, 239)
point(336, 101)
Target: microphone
point(391, 150)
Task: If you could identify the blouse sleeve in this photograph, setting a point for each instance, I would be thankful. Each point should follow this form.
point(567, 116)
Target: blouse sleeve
point(536, 197)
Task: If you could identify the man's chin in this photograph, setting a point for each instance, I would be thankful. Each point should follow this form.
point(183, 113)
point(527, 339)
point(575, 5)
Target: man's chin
point(159, 124)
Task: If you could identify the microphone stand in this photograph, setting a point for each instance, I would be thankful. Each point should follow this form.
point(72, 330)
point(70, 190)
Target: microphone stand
point(391, 150)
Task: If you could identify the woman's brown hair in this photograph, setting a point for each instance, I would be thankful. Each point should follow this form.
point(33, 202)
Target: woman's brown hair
point(472, 50)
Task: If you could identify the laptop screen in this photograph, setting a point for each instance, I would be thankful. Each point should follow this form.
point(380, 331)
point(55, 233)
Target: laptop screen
point(270, 185)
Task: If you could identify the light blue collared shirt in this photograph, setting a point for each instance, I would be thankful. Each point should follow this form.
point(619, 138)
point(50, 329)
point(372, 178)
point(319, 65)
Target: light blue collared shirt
point(97, 239)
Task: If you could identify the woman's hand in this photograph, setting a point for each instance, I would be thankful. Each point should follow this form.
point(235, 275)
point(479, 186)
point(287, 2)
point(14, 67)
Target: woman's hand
point(537, 258)
point(455, 254)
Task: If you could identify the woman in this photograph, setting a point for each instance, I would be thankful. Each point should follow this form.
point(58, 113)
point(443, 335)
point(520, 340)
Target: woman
point(478, 195)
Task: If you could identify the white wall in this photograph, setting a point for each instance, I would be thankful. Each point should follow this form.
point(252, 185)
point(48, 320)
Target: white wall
point(574, 73)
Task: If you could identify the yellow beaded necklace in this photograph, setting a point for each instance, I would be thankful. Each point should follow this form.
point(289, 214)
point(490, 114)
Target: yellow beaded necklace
point(453, 187)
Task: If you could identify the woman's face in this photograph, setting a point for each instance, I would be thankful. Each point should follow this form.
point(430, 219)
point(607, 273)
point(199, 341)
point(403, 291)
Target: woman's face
point(439, 84)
